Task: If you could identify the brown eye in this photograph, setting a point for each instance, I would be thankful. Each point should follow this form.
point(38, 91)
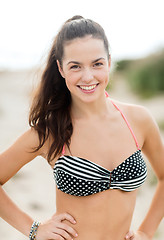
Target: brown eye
point(98, 64)
point(74, 67)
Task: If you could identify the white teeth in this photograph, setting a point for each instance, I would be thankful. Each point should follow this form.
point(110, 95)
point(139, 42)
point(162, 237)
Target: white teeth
point(88, 88)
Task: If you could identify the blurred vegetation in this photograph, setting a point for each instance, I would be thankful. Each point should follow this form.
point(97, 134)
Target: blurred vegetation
point(161, 125)
point(145, 76)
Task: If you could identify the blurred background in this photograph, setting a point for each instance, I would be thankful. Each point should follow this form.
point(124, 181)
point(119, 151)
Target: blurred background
point(134, 30)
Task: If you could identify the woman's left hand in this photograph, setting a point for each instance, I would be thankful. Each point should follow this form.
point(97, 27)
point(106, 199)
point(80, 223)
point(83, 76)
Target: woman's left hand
point(136, 236)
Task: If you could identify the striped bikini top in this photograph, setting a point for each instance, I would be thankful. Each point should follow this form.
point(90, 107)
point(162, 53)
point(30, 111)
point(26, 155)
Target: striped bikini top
point(81, 177)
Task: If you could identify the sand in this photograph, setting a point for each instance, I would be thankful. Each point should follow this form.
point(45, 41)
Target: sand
point(33, 187)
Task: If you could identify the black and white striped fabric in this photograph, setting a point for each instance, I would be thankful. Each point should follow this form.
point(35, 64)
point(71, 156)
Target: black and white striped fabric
point(81, 177)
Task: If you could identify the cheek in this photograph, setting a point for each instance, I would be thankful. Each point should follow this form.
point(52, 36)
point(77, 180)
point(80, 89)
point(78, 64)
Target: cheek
point(72, 78)
point(103, 76)
point(71, 81)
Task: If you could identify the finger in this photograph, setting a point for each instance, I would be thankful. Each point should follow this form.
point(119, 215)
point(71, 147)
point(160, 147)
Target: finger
point(130, 235)
point(54, 236)
point(48, 234)
point(67, 228)
point(66, 216)
point(63, 233)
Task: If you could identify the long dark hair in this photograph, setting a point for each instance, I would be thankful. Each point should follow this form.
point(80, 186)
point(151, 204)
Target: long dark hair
point(50, 110)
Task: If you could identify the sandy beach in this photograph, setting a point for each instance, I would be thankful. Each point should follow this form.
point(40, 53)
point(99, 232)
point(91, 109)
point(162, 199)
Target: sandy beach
point(33, 187)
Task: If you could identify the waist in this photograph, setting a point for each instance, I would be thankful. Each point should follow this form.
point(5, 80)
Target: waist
point(94, 226)
point(103, 216)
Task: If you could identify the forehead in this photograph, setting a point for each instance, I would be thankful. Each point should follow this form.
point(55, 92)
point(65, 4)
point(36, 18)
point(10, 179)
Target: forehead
point(84, 48)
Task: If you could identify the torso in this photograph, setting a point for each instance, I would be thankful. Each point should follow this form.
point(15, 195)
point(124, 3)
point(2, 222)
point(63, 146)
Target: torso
point(103, 216)
point(108, 142)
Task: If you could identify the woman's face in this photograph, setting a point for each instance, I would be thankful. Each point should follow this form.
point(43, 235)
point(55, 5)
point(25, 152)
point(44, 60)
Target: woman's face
point(85, 67)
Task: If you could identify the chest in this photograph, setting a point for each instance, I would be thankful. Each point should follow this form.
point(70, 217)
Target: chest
point(105, 142)
point(102, 156)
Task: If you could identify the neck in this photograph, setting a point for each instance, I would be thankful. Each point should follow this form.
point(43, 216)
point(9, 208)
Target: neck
point(98, 108)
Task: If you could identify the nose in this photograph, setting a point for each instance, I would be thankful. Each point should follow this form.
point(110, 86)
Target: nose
point(87, 75)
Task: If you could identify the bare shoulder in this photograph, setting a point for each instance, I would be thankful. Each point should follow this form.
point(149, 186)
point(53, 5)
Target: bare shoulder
point(18, 154)
point(141, 121)
point(147, 132)
point(27, 141)
point(134, 112)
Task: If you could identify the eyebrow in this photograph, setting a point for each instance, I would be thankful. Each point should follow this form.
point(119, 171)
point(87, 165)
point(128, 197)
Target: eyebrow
point(75, 62)
point(98, 59)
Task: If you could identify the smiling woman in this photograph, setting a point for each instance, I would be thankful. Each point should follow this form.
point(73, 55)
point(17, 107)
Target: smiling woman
point(93, 143)
point(85, 67)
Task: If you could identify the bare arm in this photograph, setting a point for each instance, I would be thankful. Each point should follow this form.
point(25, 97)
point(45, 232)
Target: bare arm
point(153, 148)
point(11, 161)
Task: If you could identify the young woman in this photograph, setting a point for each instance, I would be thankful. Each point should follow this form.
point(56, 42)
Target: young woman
point(92, 142)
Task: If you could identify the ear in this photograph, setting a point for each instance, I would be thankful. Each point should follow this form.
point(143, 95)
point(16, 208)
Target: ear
point(60, 68)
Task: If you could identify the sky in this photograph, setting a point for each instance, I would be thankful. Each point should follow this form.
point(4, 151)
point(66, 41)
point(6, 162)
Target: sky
point(134, 27)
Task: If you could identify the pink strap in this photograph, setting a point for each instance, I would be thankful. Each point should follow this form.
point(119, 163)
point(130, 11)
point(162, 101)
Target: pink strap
point(63, 151)
point(107, 95)
point(131, 130)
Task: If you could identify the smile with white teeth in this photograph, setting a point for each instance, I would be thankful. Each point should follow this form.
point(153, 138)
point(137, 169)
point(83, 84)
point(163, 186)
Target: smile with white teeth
point(88, 88)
